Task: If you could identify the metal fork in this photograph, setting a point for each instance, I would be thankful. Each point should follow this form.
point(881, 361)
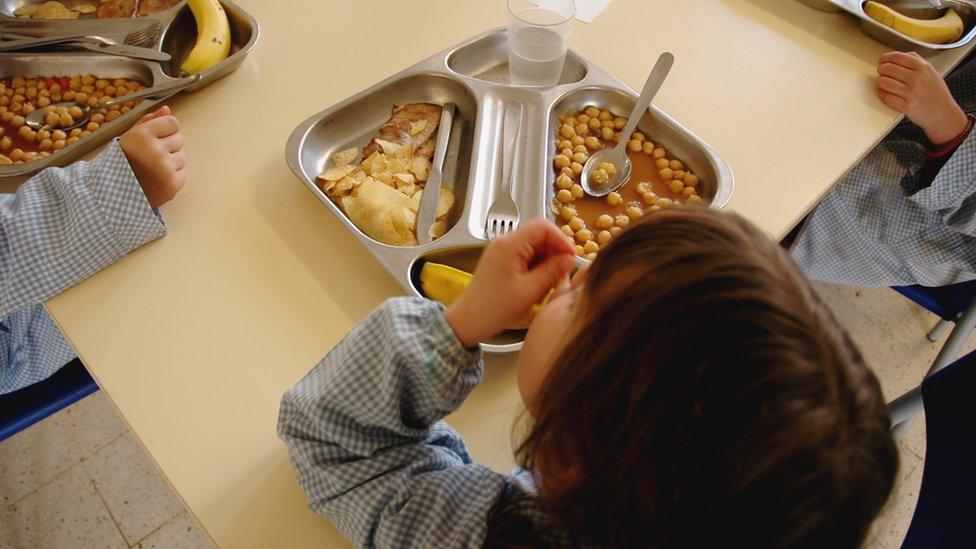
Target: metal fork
point(146, 35)
point(503, 215)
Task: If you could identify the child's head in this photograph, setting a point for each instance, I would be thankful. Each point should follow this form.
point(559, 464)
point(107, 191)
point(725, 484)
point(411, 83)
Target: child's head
point(691, 390)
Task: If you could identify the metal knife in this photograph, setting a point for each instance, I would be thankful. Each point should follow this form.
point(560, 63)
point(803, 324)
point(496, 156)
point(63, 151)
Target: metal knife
point(427, 213)
point(96, 44)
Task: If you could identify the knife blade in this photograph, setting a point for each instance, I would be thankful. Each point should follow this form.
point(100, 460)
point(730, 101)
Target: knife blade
point(427, 213)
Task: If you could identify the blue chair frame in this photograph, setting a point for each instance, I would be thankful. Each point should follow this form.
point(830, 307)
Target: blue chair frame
point(25, 407)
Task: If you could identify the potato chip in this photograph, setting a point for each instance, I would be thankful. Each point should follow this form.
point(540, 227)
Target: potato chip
point(418, 126)
point(83, 8)
point(404, 179)
point(444, 203)
point(385, 178)
point(420, 167)
point(390, 149)
point(335, 173)
point(345, 157)
point(376, 163)
point(26, 10)
point(382, 213)
point(54, 10)
point(437, 229)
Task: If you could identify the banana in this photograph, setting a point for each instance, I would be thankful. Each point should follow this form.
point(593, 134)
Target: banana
point(943, 30)
point(445, 284)
point(213, 36)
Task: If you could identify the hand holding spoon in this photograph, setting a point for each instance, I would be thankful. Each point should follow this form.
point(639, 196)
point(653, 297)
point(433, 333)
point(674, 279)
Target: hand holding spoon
point(618, 155)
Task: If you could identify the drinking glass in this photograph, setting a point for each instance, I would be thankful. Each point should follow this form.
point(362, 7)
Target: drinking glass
point(538, 36)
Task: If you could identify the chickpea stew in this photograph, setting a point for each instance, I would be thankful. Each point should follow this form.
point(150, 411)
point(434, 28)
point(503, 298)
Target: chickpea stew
point(20, 96)
point(658, 179)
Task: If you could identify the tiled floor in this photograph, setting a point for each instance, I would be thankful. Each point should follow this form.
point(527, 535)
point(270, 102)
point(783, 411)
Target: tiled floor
point(80, 479)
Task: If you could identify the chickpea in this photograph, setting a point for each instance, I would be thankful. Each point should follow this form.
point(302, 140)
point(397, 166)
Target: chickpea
point(606, 134)
point(605, 221)
point(567, 152)
point(46, 145)
point(572, 121)
point(679, 175)
point(6, 143)
point(649, 198)
point(17, 82)
point(600, 177)
point(7, 116)
point(634, 145)
point(659, 153)
point(43, 101)
point(29, 156)
point(564, 196)
point(577, 168)
point(615, 231)
point(607, 124)
point(687, 192)
point(27, 134)
point(27, 109)
point(603, 237)
point(566, 131)
point(31, 93)
point(567, 213)
point(579, 250)
point(617, 136)
point(577, 140)
point(647, 147)
point(622, 220)
point(592, 112)
point(17, 121)
point(58, 145)
point(101, 84)
point(5, 160)
point(577, 224)
point(609, 168)
point(16, 155)
point(582, 129)
point(577, 191)
point(564, 182)
point(606, 115)
point(561, 161)
point(568, 231)
point(591, 247)
point(92, 101)
point(691, 179)
point(619, 123)
point(666, 174)
point(662, 163)
point(590, 257)
point(99, 117)
point(564, 144)
point(84, 134)
point(580, 157)
point(695, 199)
point(676, 186)
point(66, 120)
point(583, 119)
point(614, 199)
point(639, 137)
point(133, 85)
point(677, 165)
point(643, 187)
point(87, 80)
point(75, 111)
point(584, 235)
point(594, 124)
point(567, 171)
point(663, 202)
point(634, 212)
point(653, 209)
point(580, 149)
point(81, 97)
point(58, 135)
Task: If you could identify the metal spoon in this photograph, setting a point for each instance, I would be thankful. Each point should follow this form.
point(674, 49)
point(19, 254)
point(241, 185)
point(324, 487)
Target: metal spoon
point(36, 121)
point(618, 155)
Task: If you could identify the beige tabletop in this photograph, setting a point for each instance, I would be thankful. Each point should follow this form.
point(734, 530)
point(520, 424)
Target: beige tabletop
point(196, 336)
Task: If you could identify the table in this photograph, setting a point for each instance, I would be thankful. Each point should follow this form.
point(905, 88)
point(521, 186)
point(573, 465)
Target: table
point(195, 337)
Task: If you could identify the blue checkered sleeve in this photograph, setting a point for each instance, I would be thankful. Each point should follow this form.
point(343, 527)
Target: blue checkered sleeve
point(60, 227)
point(366, 438)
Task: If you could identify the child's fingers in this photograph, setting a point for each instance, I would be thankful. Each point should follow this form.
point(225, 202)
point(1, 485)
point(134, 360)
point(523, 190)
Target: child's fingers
point(173, 142)
point(896, 72)
point(544, 237)
point(178, 160)
point(549, 273)
point(893, 101)
point(892, 86)
point(908, 60)
point(161, 111)
point(580, 277)
point(163, 126)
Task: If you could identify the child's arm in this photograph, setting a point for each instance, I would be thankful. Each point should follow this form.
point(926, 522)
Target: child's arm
point(364, 428)
point(64, 225)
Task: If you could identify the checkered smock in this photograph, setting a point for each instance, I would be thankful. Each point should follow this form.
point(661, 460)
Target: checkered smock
point(366, 438)
point(878, 226)
point(62, 226)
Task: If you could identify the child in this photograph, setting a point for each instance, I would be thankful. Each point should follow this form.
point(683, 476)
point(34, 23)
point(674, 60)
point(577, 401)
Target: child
point(64, 225)
point(688, 390)
point(904, 215)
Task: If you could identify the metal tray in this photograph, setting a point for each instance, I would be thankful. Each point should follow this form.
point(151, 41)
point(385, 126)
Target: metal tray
point(474, 75)
point(897, 40)
point(176, 35)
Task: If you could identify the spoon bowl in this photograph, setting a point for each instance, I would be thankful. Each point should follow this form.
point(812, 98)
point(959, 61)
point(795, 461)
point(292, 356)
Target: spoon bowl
point(618, 154)
point(37, 119)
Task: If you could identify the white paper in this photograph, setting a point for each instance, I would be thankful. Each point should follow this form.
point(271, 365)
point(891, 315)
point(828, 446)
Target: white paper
point(586, 10)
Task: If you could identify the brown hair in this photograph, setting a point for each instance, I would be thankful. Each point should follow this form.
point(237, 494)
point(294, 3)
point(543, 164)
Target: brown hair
point(709, 399)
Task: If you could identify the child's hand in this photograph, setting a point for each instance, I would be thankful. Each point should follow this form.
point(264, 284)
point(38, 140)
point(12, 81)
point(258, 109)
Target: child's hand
point(515, 273)
point(911, 85)
point(153, 148)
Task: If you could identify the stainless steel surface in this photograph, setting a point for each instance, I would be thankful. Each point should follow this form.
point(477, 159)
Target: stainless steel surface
point(898, 40)
point(427, 212)
point(618, 155)
point(99, 44)
point(468, 75)
point(35, 120)
point(503, 215)
point(175, 34)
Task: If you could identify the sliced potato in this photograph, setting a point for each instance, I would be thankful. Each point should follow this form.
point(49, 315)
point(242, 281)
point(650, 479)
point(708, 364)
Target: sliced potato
point(345, 157)
point(335, 173)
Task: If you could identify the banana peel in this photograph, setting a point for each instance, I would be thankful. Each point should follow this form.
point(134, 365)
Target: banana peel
point(944, 30)
point(213, 36)
point(445, 284)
